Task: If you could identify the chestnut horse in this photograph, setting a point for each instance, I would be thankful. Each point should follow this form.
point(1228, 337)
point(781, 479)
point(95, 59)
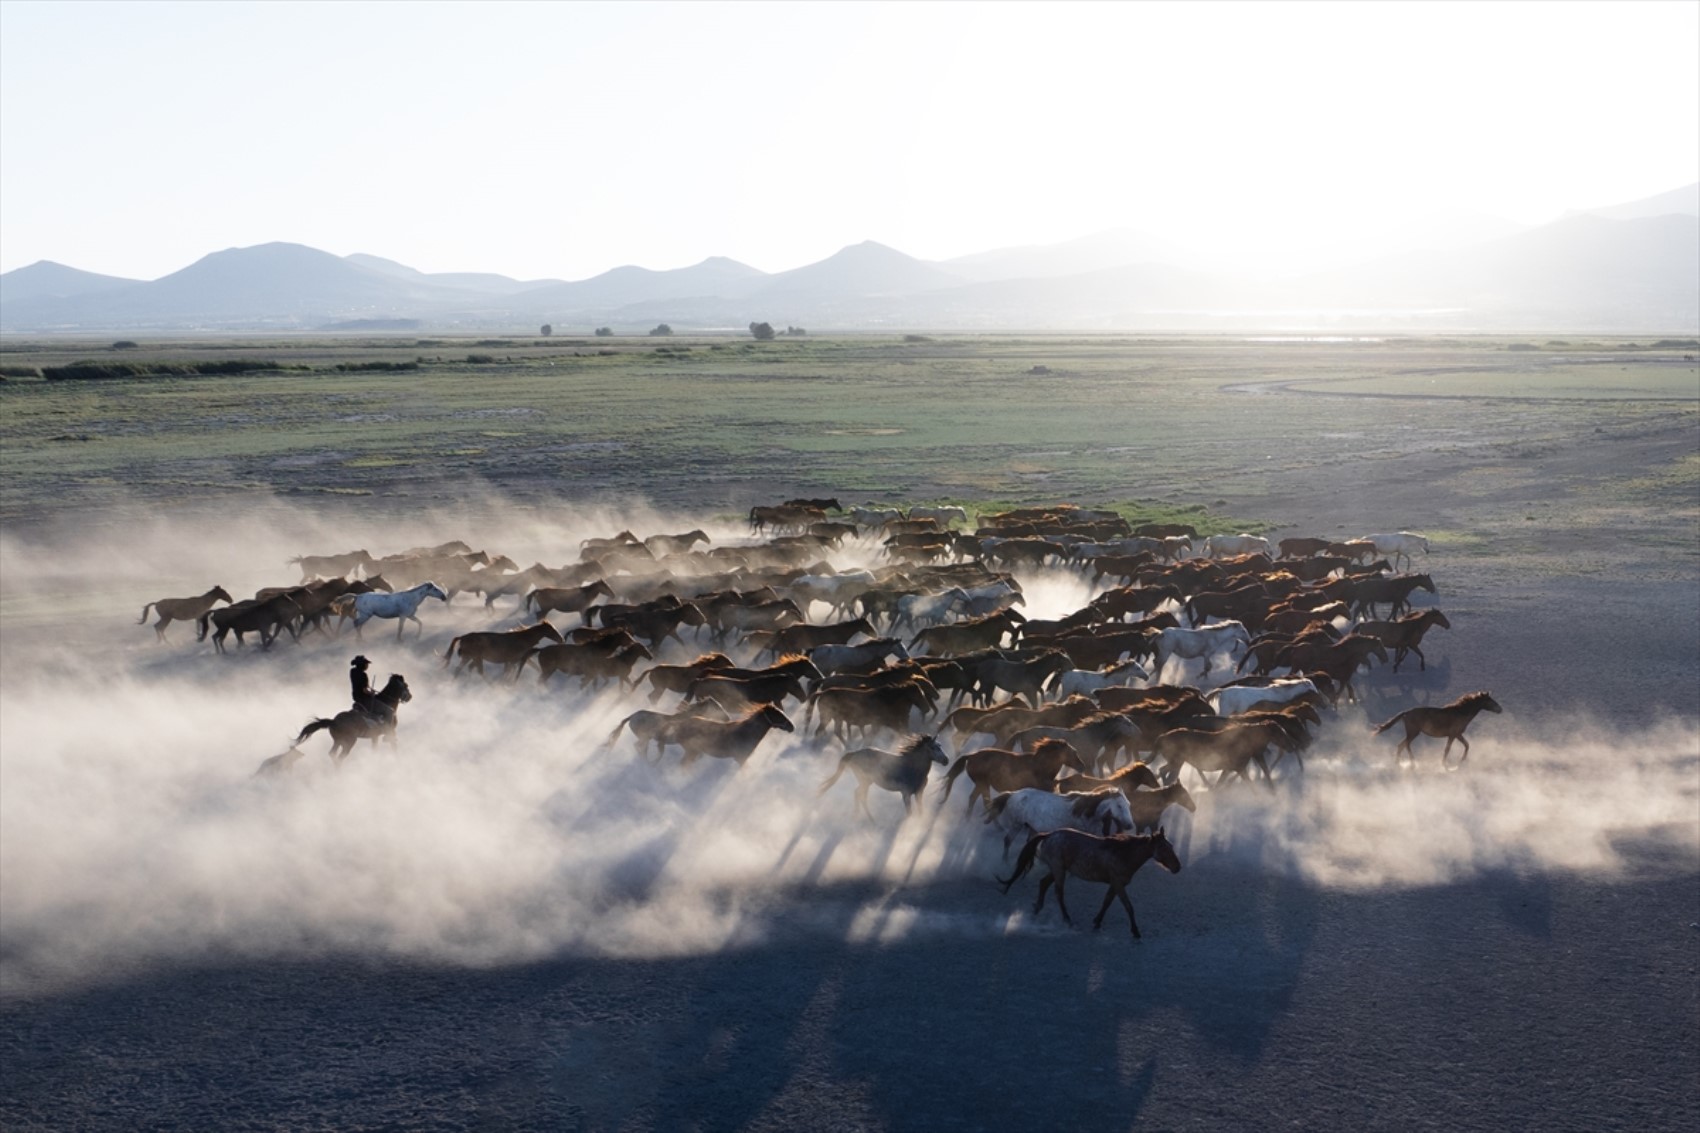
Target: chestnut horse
point(183, 609)
point(1448, 721)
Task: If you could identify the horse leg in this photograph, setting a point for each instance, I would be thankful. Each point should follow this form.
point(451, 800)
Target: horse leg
point(1098, 921)
point(1466, 744)
point(1068, 920)
point(1121, 891)
point(1044, 887)
point(862, 799)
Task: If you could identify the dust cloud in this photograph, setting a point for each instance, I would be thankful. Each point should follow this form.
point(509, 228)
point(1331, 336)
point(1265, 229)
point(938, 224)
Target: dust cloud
point(133, 830)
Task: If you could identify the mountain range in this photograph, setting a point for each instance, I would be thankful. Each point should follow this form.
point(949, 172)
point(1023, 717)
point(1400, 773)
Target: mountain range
point(1629, 268)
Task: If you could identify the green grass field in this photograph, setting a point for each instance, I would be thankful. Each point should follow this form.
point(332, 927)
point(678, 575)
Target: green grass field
point(1154, 425)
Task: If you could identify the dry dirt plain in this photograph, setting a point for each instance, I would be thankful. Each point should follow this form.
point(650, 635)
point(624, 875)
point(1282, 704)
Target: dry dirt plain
point(504, 928)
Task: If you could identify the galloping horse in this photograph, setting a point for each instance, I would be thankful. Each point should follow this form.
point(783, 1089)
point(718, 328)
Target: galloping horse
point(350, 727)
point(1112, 860)
point(1449, 721)
point(183, 609)
point(403, 606)
point(904, 771)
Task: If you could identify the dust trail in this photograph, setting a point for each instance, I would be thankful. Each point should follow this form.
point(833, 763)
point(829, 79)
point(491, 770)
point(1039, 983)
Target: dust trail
point(132, 831)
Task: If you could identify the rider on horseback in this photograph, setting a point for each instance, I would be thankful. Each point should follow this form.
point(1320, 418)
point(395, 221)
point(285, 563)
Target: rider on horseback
point(365, 700)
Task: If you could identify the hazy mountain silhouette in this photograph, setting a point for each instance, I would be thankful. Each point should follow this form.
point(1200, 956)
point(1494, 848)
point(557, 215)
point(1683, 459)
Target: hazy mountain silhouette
point(478, 281)
point(45, 279)
point(1635, 273)
point(1684, 201)
point(620, 287)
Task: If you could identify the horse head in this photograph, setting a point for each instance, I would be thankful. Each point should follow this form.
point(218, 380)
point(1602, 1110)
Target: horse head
point(777, 719)
point(395, 690)
point(549, 631)
point(218, 592)
point(432, 590)
point(1163, 853)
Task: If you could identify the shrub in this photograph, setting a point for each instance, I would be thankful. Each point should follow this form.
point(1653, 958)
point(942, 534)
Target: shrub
point(19, 372)
point(604, 332)
point(373, 367)
point(124, 344)
point(762, 331)
point(546, 330)
point(480, 359)
point(661, 331)
point(795, 332)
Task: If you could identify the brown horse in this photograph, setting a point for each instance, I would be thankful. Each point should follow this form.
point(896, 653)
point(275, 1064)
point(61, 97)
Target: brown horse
point(567, 599)
point(1128, 781)
point(678, 678)
point(1405, 635)
point(736, 739)
point(183, 609)
point(1113, 861)
point(995, 769)
point(1447, 721)
point(507, 648)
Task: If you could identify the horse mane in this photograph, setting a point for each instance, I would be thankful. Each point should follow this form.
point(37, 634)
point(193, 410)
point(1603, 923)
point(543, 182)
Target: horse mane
point(1086, 803)
point(1470, 699)
point(788, 658)
point(914, 744)
point(1126, 773)
point(706, 658)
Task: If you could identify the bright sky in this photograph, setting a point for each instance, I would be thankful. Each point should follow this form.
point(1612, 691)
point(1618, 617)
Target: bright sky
point(561, 140)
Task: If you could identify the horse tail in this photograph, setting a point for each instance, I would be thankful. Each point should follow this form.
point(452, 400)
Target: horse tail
point(315, 726)
point(1390, 723)
point(615, 734)
point(200, 625)
point(950, 776)
point(843, 762)
point(1024, 861)
point(145, 610)
point(448, 655)
point(995, 807)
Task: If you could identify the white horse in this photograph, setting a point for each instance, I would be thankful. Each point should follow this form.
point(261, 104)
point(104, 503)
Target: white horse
point(1205, 643)
point(915, 610)
point(874, 516)
point(1031, 811)
point(1085, 682)
point(1398, 546)
point(942, 515)
point(1234, 699)
point(836, 590)
point(832, 659)
point(403, 605)
point(1241, 544)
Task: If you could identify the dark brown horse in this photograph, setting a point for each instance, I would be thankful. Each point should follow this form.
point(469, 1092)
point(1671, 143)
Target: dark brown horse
point(904, 771)
point(1448, 721)
point(1405, 635)
point(183, 609)
point(1113, 861)
point(567, 599)
point(507, 648)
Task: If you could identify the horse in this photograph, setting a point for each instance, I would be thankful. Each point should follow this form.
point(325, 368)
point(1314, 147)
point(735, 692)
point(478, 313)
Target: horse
point(1398, 545)
point(1405, 635)
point(1230, 750)
point(1095, 739)
point(1035, 810)
point(994, 769)
point(831, 659)
point(183, 609)
point(1368, 593)
point(865, 708)
point(567, 599)
point(660, 545)
point(1085, 682)
point(509, 648)
point(1113, 860)
point(1234, 699)
point(1204, 642)
point(943, 516)
point(1128, 781)
point(403, 606)
point(266, 617)
point(736, 739)
point(1218, 545)
point(350, 727)
point(904, 771)
point(678, 678)
point(1448, 721)
point(332, 566)
point(592, 664)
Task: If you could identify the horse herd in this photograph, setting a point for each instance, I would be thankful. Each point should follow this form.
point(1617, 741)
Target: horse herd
point(1075, 732)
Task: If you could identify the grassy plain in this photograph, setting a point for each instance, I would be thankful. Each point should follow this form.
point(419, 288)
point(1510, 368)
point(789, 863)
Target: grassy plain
point(1153, 425)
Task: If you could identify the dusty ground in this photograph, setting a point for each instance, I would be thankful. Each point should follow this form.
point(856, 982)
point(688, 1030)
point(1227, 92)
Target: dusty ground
point(1524, 994)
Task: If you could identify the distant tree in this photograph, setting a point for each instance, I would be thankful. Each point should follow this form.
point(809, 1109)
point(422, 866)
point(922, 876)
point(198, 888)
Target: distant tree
point(795, 332)
point(546, 330)
point(123, 344)
point(762, 331)
point(604, 332)
point(661, 331)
